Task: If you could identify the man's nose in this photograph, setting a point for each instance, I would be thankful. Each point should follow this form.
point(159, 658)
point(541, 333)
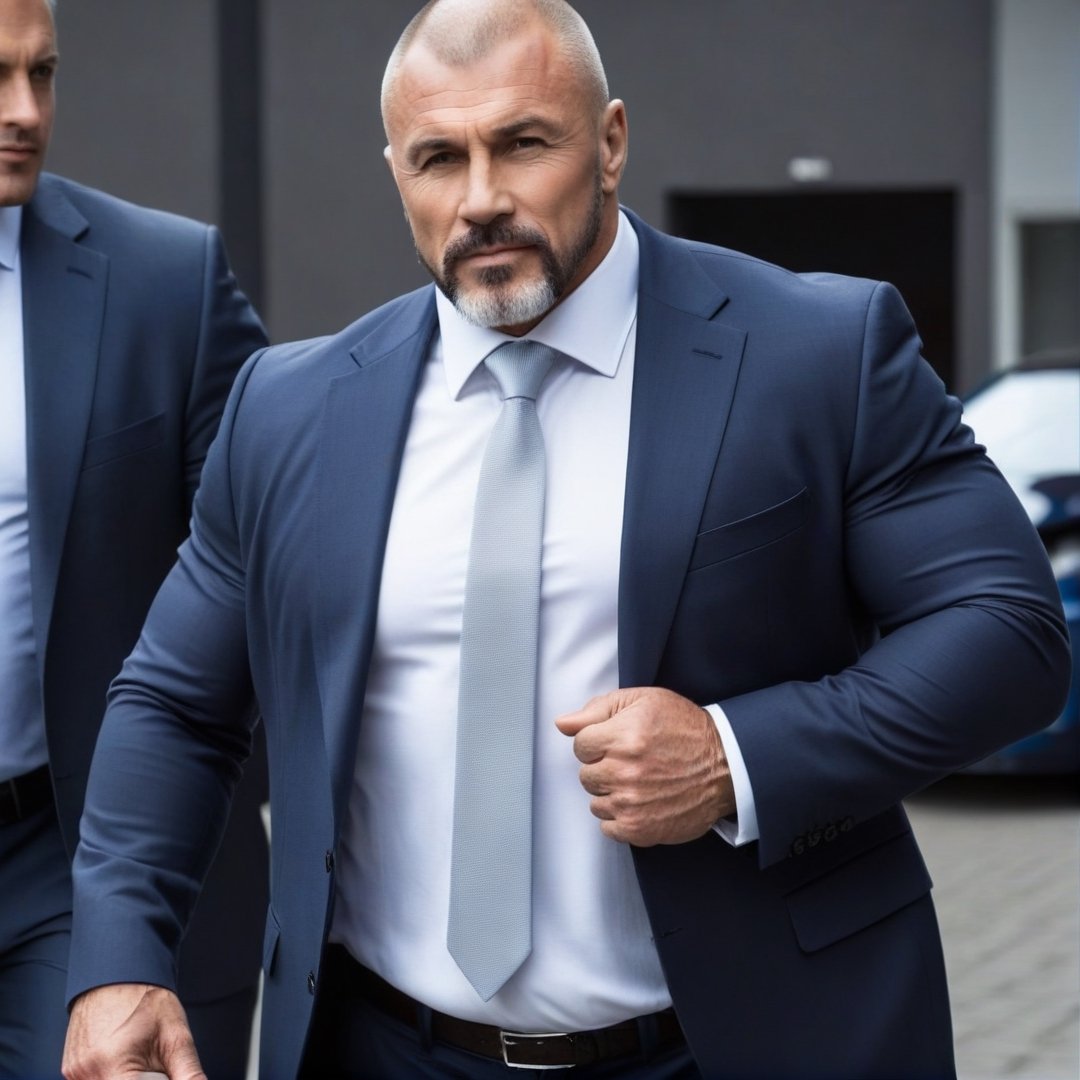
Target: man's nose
point(19, 107)
point(486, 194)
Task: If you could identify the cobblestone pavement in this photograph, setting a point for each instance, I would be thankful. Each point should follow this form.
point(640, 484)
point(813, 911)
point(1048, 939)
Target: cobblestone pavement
point(1004, 853)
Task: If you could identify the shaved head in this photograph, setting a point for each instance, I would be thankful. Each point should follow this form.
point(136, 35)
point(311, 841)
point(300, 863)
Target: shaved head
point(461, 32)
point(506, 152)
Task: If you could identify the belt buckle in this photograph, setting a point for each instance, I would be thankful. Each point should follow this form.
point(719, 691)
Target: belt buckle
point(509, 1040)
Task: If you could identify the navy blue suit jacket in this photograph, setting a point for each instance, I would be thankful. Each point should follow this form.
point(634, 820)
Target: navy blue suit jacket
point(134, 330)
point(811, 538)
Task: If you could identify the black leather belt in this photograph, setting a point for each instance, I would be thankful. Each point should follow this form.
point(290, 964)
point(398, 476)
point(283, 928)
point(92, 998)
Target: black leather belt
point(25, 795)
point(563, 1049)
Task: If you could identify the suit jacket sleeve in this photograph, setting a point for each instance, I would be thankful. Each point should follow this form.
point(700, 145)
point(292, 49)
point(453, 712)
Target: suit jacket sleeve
point(972, 651)
point(175, 735)
point(229, 333)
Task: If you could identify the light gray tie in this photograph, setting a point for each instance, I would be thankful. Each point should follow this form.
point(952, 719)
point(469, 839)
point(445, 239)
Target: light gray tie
point(490, 927)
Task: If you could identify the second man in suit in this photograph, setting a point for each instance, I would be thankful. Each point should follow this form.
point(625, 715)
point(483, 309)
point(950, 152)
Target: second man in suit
point(121, 330)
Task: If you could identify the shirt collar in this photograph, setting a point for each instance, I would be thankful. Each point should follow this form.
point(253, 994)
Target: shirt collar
point(591, 324)
point(10, 223)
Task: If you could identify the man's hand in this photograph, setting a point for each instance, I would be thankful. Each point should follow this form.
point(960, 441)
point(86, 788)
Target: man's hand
point(653, 763)
point(127, 1030)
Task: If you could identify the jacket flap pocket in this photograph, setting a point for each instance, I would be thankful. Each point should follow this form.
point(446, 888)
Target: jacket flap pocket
point(751, 532)
point(128, 440)
point(858, 893)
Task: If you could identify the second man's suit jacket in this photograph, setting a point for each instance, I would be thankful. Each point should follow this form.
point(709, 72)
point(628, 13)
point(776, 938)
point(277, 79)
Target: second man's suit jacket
point(811, 538)
point(134, 330)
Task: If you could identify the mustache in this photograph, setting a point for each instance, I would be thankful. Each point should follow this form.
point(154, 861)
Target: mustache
point(494, 234)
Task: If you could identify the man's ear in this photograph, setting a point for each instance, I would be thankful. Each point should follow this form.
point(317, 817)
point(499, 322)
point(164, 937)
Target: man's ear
point(388, 157)
point(614, 137)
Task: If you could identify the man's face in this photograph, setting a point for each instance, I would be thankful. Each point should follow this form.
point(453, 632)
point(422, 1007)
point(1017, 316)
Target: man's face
point(27, 69)
point(507, 174)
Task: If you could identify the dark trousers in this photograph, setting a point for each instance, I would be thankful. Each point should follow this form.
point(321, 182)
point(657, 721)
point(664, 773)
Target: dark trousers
point(352, 1038)
point(35, 935)
point(222, 1032)
point(35, 930)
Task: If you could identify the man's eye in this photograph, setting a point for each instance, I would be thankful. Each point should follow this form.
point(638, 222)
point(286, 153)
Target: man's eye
point(444, 157)
point(527, 142)
point(43, 72)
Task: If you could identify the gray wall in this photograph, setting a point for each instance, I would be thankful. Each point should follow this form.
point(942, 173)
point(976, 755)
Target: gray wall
point(137, 110)
point(721, 94)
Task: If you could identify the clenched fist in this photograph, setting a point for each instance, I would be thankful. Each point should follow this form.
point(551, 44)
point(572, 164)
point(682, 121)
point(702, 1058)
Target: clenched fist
point(653, 763)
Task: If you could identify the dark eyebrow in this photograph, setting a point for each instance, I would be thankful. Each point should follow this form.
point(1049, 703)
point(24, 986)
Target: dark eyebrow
point(52, 58)
point(526, 123)
point(436, 144)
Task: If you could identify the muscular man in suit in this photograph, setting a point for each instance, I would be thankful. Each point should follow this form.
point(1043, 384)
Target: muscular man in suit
point(121, 330)
point(781, 589)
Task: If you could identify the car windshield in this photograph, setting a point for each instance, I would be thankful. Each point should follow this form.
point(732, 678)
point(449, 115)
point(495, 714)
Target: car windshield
point(1029, 422)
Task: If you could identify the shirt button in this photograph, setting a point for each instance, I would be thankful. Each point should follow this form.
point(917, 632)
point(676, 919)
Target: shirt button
point(311, 982)
point(329, 860)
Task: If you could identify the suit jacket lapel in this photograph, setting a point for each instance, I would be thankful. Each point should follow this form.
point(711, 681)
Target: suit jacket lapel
point(64, 286)
point(365, 423)
point(685, 371)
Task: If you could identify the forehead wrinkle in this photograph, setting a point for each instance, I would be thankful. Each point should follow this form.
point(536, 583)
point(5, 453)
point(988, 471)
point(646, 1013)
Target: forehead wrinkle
point(446, 108)
point(40, 46)
point(524, 110)
point(480, 91)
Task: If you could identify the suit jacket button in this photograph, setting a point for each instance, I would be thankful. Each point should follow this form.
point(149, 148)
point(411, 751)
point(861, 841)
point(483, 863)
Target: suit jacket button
point(329, 860)
point(311, 982)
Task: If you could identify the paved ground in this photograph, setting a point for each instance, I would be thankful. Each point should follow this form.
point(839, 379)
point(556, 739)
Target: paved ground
point(1004, 853)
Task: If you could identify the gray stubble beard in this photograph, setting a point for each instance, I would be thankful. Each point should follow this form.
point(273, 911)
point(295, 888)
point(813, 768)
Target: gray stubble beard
point(496, 301)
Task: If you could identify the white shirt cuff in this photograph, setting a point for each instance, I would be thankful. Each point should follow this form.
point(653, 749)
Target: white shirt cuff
point(743, 827)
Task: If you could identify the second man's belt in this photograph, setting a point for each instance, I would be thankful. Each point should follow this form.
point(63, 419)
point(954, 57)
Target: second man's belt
point(25, 795)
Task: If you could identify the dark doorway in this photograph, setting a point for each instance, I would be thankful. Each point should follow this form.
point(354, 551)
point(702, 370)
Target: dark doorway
point(902, 236)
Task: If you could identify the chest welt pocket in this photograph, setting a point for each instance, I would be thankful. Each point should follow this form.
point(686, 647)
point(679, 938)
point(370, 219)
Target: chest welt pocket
point(748, 533)
point(141, 435)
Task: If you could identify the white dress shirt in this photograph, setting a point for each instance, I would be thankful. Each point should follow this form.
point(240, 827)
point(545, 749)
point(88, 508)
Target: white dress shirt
point(22, 728)
point(593, 961)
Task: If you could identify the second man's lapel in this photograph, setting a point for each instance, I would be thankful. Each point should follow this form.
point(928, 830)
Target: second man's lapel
point(64, 289)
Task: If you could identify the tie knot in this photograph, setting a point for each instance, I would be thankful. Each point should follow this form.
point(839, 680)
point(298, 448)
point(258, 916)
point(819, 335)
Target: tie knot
point(520, 367)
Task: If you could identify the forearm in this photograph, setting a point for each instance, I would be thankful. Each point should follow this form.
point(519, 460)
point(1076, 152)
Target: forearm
point(922, 703)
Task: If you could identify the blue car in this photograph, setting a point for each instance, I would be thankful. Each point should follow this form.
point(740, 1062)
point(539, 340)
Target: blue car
point(1028, 418)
